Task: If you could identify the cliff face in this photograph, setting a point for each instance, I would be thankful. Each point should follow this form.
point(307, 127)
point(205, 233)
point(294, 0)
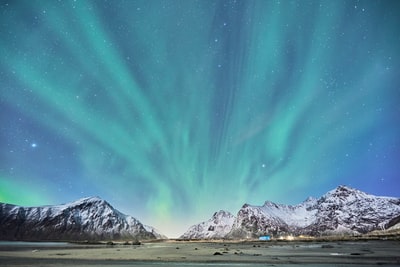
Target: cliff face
point(85, 219)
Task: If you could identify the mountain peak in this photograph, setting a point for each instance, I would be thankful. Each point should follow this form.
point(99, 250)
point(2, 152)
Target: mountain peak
point(344, 188)
point(345, 193)
point(90, 218)
point(271, 204)
point(218, 226)
point(222, 214)
point(91, 199)
point(87, 202)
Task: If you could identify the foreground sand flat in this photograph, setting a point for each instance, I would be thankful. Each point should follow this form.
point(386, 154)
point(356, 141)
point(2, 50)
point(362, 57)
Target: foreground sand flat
point(362, 253)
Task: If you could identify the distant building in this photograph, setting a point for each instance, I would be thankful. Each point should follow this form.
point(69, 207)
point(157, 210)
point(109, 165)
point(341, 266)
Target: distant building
point(265, 238)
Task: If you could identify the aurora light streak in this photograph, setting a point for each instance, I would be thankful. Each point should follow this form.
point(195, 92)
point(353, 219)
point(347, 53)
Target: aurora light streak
point(172, 109)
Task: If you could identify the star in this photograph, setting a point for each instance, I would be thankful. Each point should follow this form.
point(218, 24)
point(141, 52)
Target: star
point(165, 111)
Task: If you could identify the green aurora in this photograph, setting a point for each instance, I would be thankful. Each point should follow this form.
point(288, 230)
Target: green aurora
point(171, 110)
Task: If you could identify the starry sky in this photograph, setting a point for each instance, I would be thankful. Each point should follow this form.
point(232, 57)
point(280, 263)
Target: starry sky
point(172, 110)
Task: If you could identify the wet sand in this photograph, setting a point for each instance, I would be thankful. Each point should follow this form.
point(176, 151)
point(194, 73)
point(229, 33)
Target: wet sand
point(179, 253)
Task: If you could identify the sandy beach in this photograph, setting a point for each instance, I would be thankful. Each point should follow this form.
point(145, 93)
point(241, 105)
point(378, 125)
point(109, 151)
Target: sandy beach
point(277, 253)
point(180, 253)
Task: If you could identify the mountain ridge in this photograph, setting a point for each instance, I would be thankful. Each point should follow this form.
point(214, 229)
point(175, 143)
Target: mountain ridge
point(218, 226)
point(89, 218)
point(342, 210)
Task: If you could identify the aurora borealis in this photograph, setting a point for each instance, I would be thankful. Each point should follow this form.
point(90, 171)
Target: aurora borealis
point(171, 110)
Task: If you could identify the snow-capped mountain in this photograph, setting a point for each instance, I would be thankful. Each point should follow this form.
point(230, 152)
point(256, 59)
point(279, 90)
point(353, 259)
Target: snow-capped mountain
point(347, 210)
point(85, 219)
point(218, 226)
point(155, 232)
point(343, 210)
point(271, 218)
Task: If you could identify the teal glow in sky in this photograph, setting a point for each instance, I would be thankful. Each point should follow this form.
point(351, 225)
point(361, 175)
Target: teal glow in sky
point(171, 110)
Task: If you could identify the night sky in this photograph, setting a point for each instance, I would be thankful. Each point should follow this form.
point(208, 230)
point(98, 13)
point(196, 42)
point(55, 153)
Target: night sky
point(172, 110)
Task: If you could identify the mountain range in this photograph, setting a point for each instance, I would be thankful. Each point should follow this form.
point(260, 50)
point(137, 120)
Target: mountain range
point(343, 210)
point(85, 219)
